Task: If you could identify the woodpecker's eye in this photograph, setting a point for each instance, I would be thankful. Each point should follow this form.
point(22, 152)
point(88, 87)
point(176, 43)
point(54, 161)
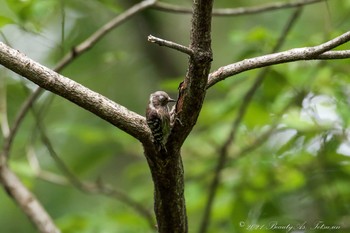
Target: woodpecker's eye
point(162, 99)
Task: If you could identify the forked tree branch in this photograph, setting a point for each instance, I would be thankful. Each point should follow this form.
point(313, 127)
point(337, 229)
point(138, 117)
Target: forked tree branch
point(307, 53)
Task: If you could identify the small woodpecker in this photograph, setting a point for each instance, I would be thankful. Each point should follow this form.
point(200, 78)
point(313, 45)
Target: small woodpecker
point(158, 117)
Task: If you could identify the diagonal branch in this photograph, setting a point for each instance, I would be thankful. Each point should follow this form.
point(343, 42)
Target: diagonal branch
point(236, 11)
point(307, 53)
point(68, 58)
point(121, 117)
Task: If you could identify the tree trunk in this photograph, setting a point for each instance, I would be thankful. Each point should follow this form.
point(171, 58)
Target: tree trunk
point(169, 200)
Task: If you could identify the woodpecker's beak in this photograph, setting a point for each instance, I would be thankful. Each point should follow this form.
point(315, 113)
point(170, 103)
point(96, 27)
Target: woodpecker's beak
point(171, 100)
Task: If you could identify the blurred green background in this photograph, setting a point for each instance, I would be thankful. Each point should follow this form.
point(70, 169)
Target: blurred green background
point(289, 164)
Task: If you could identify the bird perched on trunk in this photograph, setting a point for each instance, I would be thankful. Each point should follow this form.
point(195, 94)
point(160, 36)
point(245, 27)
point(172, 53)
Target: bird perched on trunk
point(158, 118)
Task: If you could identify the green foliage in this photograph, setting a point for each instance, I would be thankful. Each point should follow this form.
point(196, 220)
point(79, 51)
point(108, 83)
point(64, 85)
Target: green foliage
point(33, 14)
point(289, 163)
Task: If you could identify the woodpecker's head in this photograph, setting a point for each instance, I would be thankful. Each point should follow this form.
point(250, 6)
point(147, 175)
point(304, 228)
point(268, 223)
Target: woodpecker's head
point(160, 99)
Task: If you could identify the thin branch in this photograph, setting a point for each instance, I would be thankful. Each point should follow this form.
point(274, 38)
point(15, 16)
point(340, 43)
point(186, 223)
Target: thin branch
point(223, 151)
point(170, 44)
point(297, 54)
point(236, 11)
point(100, 33)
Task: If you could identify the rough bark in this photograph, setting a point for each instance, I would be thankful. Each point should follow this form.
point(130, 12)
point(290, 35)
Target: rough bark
point(169, 200)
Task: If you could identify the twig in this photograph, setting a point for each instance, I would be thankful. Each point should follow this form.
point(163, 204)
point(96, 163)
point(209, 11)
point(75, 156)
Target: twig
point(170, 44)
point(223, 151)
point(236, 11)
point(297, 54)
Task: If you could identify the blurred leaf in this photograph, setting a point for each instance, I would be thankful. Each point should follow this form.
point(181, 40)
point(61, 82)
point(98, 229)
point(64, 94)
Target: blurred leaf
point(33, 14)
point(256, 115)
point(274, 84)
point(5, 20)
point(74, 224)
